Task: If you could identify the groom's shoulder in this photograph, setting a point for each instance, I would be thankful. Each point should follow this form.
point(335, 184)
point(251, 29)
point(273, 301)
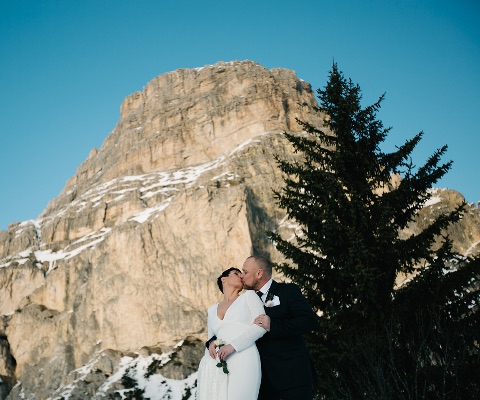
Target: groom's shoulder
point(286, 286)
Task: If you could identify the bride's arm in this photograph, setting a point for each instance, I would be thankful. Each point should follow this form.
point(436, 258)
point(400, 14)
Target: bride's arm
point(253, 332)
point(211, 345)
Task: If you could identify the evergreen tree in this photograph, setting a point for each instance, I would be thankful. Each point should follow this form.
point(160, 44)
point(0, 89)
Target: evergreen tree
point(349, 248)
point(437, 339)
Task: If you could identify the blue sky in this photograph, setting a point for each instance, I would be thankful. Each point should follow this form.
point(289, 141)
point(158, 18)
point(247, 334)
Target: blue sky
point(66, 66)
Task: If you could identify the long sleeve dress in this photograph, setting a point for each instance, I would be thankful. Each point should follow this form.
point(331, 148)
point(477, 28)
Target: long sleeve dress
point(237, 329)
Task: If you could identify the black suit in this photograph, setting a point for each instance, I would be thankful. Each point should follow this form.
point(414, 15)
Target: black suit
point(286, 366)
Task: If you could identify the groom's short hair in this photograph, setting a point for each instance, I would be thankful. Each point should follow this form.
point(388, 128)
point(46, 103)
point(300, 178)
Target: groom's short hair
point(263, 263)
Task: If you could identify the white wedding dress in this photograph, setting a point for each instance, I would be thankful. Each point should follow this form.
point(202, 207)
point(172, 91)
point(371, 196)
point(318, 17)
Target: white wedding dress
point(237, 329)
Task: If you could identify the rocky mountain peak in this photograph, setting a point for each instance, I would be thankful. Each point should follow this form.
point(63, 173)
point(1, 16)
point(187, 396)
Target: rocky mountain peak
point(112, 282)
point(125, 258)
point(192, 116)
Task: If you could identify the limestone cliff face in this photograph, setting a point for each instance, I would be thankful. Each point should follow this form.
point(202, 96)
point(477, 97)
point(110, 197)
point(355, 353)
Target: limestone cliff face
point(126, 257)
point(119, 269)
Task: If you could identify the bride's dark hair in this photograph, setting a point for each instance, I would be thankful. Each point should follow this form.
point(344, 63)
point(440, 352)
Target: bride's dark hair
point(225, 274)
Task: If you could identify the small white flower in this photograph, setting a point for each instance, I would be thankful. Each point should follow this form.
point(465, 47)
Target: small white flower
point(272, 302)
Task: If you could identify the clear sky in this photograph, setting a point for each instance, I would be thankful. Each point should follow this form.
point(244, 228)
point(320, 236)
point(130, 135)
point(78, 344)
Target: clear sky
point(66, 66)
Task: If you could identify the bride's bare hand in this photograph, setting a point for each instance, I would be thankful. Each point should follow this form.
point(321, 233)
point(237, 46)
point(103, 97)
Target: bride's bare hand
point(225, 351)
point(212, 351)
point(263, 321)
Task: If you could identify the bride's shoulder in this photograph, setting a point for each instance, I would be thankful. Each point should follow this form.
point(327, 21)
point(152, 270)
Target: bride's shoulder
point(249, 293)
point(213, 307)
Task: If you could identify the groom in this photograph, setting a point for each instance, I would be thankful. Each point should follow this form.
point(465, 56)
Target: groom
point(286, 367)
point(287, 372)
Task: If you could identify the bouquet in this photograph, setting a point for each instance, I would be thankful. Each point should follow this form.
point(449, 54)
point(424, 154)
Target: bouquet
point(221, 363)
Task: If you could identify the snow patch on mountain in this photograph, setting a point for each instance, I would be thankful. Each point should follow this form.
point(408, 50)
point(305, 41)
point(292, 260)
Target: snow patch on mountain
point(134, 375)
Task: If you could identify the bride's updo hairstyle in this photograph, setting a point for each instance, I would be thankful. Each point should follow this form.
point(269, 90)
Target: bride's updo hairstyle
point(224, 275)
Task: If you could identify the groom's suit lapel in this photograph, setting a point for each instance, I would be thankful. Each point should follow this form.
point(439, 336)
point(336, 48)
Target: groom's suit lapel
point(273, 291)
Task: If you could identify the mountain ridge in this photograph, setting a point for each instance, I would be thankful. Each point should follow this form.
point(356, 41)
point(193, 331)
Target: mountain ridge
point(116, 274)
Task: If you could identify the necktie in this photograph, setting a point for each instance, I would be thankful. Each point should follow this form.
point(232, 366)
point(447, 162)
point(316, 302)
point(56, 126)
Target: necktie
point(260, 294)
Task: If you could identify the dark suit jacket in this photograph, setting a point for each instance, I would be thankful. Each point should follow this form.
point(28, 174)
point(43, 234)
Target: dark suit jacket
point(285, 359)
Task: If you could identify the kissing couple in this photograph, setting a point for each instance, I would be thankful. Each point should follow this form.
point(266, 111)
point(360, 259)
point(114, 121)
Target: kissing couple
point(256, 348)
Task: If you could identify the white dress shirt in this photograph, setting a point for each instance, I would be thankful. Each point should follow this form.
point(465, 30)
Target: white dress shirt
point(264, 289)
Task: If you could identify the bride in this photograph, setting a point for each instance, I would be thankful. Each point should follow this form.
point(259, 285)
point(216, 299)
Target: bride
point(230, 369)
